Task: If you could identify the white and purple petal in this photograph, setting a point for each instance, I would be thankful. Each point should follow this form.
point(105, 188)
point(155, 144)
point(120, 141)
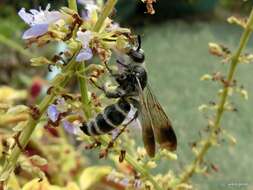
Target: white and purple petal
point(84, 54)
point(35, 31)
point(26, 17)
point(39, 17)
point(69, 127)
point(84, 38)
point(53, 113)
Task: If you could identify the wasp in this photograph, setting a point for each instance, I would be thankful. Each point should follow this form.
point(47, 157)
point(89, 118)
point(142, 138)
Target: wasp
point(133, 90)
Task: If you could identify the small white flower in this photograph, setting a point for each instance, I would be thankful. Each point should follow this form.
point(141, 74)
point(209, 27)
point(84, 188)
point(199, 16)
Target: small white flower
point(39, 21)
point(86, 52)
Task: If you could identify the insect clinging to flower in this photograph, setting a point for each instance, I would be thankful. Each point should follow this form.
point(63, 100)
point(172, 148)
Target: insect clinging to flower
point(133, 90)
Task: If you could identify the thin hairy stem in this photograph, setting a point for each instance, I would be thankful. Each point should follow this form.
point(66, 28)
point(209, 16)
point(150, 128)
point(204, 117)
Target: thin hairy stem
point(109, 6)
point(187, 174)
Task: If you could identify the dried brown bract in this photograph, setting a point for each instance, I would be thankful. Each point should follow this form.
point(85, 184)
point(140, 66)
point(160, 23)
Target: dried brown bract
point(149, 6)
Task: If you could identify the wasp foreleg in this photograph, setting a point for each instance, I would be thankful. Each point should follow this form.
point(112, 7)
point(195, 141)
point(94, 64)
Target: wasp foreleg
point(117, 93)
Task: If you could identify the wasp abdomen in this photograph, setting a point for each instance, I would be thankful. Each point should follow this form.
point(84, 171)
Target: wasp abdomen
point(112, 117)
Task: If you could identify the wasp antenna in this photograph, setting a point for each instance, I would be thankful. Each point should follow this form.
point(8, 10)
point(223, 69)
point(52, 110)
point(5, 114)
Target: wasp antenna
point(139, 42)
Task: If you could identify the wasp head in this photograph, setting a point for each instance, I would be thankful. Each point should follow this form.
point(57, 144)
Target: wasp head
point(137, 54)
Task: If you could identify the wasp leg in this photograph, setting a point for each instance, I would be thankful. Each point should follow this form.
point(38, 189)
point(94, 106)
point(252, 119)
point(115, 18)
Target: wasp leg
point(114, 75)
point(135, 103)
point(109, 69)
point(104, 152)
point(122, 64)
point(125, 126)
point(109, 94)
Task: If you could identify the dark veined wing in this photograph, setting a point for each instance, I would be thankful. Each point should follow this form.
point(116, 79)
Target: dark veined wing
point(164, 133)
point(146, 123)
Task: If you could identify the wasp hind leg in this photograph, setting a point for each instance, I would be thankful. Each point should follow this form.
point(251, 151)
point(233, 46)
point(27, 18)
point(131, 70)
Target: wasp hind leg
point(104, 152)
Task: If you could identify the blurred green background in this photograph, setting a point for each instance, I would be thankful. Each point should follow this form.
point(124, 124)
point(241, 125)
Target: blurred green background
point(175, 41)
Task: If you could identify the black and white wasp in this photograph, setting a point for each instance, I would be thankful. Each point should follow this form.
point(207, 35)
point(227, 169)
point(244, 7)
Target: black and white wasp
point(133, 89)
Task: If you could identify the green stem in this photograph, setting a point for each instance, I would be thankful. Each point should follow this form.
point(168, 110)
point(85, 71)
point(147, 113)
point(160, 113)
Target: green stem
point(105, 13)
point(30, 126)
point(213, 135)
point(72, 5)
point(84, 91)
point(14, 45)
point(82, 82)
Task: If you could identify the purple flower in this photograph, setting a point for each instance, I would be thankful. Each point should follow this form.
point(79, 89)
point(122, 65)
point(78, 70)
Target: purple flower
point(53, 113)
point(38, 20)
point(69, 127)
point(86, 52)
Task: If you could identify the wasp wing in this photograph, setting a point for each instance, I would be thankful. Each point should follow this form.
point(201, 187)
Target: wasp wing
point(164, 133)
point(146, 123)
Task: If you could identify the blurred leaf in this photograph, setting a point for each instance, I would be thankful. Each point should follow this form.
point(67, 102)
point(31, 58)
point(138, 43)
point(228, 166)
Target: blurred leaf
point(36, 184)
point(72, 186)
point(13, 183)
point(92, 175)
point(8, 94)
point(18, 109)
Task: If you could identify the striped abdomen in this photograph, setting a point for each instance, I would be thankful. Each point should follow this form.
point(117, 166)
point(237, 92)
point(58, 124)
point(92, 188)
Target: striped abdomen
point(112, 117)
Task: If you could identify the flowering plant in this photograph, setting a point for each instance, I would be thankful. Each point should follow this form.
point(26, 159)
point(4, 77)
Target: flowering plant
point(91, 39)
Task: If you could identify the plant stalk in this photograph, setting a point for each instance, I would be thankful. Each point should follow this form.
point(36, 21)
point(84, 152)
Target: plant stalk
point(108, 8)
point(29, 128)
point(230, 76)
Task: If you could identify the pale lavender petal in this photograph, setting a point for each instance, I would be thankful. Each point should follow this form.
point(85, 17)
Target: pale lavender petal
point(85, 14)
point(34, 11)
point(53, 113)
point(85, 2)
point(53, 16)
point(69, 127)
point(84, 38)
point(35, 31)
point(84, 54)
point(27, 17)
point(61, 101)
point(36, 17)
